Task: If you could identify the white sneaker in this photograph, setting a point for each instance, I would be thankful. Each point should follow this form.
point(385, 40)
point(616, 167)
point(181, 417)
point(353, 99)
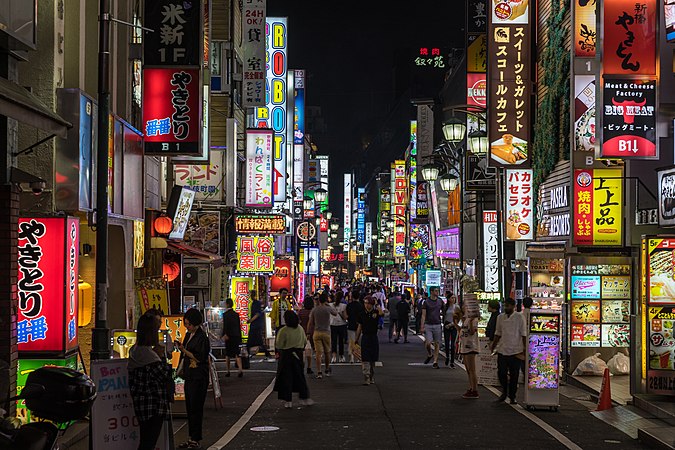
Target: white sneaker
point(342, 359)
point(288, 405)
point(332, 360)
point(351, 360)
point(306, 402)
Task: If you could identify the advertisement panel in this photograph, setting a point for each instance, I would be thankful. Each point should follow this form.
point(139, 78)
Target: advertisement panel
point(298, 172)
point(629, 37)
point(259, 147)
point(584, 286)
point(203, 231)
point(299, 106)
point(399, 201)
point(585, 335)
point(47, 284)
point(255, 254)
point(629, 118)
point(447, 243)
point(177, 40)
point(476, 89)
point(240, 293)
point(347, 211)
point(616, 287)
point(585, 28)
point(260, 224)
point(553, 210)
point(476, 58)
point(490, 252)
point(282, 275)
point(205, 180)
point(661, 270)
point(179, 209)
point(310, 261)
point(413, 170)
point(274, 115)
point(253, 52)
point(433, 278)
point(666, 197)
point(598, 201)
point(584, 113)
point(510, 11)
point(172, 119)
point(661, 373)
point(422, 201)
point(544, 350)
point(361, 215)
point(669, 14)
point(420, 242)
point(585, 311)
point(519, 198)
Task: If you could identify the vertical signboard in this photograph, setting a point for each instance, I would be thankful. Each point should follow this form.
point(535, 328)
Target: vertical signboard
point(259, 145)
point(399, 205)
point(509, 86)
point(585, 32)
point(347, 211)
point(584, 113)
point(274, 114)
point(361, 215)
point(413, 169)
point(240, 293)
point(490, 252)
point(385, 208)
point(422, 201)
point(253, 52)
point(369, 236)
point(425, 133)
point(519, 198)
point(299, 107)
point(629, 37)
point(666, 196)
point(597, 207)
point(176, 36)
point(298, 172)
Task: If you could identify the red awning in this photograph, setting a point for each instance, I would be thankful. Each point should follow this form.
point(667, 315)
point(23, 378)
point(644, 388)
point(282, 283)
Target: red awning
point(191, 252)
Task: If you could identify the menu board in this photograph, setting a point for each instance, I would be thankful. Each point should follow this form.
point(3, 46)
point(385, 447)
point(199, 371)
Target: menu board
point(662, 338)
point(616, 287)
point(543, 363)
point(615, 335)
point(661, 270)
point(616, 311)
point(544, 323)
point(585, 286)
point(586, 311)
point(585, 335)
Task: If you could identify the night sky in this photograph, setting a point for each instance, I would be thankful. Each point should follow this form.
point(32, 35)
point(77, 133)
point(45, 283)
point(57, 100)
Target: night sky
point(357, 55)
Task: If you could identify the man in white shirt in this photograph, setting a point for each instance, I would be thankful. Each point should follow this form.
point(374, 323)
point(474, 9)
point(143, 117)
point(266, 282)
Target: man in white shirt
point(510, 342)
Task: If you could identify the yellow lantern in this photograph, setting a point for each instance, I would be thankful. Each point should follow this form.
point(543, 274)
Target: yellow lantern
point(85, 304)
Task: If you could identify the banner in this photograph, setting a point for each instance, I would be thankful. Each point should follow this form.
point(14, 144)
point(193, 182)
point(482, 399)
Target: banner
point(519, 198)
point(413, 170)
point(253, 52)
point(153, 293)
point(205, 180)
point(629, 38)
point(347, 211)
point(585, 30)
point(259, 168)
point(597, 207)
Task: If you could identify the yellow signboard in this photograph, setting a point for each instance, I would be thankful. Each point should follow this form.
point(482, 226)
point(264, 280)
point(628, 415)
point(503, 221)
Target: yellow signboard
point(476, 58)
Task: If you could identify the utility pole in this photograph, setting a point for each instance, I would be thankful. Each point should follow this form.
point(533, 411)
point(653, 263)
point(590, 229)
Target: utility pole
point(101, 333)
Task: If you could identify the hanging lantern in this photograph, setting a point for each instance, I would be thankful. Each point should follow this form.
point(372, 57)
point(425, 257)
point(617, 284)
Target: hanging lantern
point(170, 270)
point(163, 225)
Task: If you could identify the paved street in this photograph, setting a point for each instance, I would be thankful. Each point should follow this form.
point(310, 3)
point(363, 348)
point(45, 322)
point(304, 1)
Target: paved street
point(410, 406)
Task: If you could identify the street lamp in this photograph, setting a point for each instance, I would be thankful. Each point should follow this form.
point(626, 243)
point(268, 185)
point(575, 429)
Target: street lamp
point(478, 142)
point(307, 203)
point(320, 195)
point(334, 226)
point(333, 235)
point(328, 215)
point(454, 130)
point(430, 172)
point(448, 182)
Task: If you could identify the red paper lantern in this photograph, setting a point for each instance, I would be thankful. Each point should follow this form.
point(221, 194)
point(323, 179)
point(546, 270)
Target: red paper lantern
point(163, 225)
point(170, 270)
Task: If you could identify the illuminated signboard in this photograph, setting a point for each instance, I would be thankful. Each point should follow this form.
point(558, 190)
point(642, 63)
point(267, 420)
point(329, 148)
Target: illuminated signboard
point(447, 243)
point(298, 172)
point(274, 115)
point(476, 89)
point(179, 209)
point(630, 33)
point(661, 270)
point(629, 118)
point(519, 206)
point(490, 252)
point(299, 116)
point(509, 97)
point(385, 206)
point(584, 113)
point(430, 57)
point(361, 215)
point(253, 53)
point(422, 201)
point(259, 147)
point(420, 241)
point(282, 275)
point(177, 39)
point(25, 367)
point(413, 169)
point(369, 236)
point(669, 14)
point(666, 196)
point(205, 180)
point(310, 261)
point(399, 206)
point(263, 224)
point(240, 293)
point(597, 207)
point(47, 284)
point(172, 121)
point(347, 211)
point(255, 254)
point(544, 350)
point(585, 32)
point(476, 60)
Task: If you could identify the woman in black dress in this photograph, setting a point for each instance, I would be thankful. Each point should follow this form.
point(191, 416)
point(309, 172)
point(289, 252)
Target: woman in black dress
point(370, 346)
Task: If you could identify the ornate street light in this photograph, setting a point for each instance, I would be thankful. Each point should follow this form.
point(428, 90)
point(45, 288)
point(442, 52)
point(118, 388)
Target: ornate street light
point(328, 215)
point(448, 182)
point(454, 130)
point(307, 203)
point(381, 240)
point(320, 195)
point(430, 172)
point(334, 226)
point(478, 142)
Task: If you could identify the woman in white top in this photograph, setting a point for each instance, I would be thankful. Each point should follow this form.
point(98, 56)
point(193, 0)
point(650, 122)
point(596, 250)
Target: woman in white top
point(469, 348)
point(338, 328)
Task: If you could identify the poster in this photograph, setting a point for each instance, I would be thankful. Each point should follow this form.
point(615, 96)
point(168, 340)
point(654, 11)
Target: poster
point(614, 311)
point(597, 208)
point(203, 231)
point(153, 293)
point(616, 287)
point(661, 373)
point(666, 196)
point(486, 364)
point(122, 341)
point(510, 11)
point(584, 113)
point(543, 365)
point(616, 335)
point(586, 311)
point(213, 317)
point(585, 286)
point(544, 323)
point(420, 242)
point(661, 264)
point(25, 367)
point(519, 199)
point(282, 275)
point(586, 335)
point(585, 29)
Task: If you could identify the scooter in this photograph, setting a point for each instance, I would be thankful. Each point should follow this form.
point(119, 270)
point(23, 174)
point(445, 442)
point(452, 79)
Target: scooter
point(55, 396)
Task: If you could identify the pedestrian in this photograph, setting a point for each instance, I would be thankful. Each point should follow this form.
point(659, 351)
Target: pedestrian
point(367, 331)
point(319, 319)
point(303, 316)
point(353, 310)
point(290, 344)
point(149, 381)
point(449, 329)
point(280, 305)
point(394, 328)
point(510, 344)
point(232, 337)
point(403, 312)
point(468, 347)
point(493, 309)
point(380, 298)
point(256, 331)
point(195, 371)
point(431, 325)
point(338, 329)
point(419, 304)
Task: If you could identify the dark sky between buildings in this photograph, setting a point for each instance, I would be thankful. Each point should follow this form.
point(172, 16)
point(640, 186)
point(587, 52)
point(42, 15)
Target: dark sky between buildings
point(358, 58)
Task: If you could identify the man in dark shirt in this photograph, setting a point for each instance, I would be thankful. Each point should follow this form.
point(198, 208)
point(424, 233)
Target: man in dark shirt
point(403, 311)
point(370, 347)
point(232, 336)
point(354, 310)
point(431, 324)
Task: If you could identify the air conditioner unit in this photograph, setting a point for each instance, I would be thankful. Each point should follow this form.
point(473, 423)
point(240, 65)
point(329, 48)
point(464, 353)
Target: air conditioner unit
point(196, 276)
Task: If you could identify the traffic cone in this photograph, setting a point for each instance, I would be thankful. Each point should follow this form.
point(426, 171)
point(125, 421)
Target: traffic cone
point(605, 398)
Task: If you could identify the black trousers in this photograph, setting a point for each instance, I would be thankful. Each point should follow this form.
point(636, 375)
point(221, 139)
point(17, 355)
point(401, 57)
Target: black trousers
point(195, 396)
point(393, 327)
point(450, 338)
point(508, 370)
point(149, 432)
point(338, 336)
point(403, 327)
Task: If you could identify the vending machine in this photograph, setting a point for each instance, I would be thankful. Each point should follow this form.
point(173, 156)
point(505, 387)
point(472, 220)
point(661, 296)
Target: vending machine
point(542, 360)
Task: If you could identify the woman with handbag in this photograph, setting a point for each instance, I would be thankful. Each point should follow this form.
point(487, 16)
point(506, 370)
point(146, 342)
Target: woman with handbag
point(194, 364)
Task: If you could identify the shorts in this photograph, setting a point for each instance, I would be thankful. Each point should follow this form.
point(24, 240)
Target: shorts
point(433, 333)
point(321, 342)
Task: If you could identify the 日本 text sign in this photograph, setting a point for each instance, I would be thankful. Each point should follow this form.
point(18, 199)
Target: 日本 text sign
point(519, 205)
point(240, 291)
point(585, 32)
point(490, 252)
point(630, 36)
point(259, 167)
point(255, 254)
point(264, 224)
point(253, 49)
point(597, 208)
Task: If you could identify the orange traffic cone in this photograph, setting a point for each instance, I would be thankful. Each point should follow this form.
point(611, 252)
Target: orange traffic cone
point(605, 398)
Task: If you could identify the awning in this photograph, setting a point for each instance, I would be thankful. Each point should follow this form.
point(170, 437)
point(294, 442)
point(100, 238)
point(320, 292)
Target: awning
point(547, 250)
point(20, 104)
point(191, 252)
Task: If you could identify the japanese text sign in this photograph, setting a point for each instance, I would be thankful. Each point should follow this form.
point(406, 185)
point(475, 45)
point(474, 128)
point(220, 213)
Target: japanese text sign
point(666, 196)
point(597, 207)
point(477, 16)
point(509, 93)
point(420, 242)
point(422, 201)
point(253, 50)
point(413, 170)
point(255, 254)
point(347, 211)
point(510, 11)
point(172, 111)
point(205, 180)
point(299, 106)
point(585, 32)
point(240, 292)
point(176, 37)
point(259, 168)
point(263, 224)
point(490, 252)
point(47, 284)
point(519, 206)
point(447, 243)
point(629, 118)
point(430, 57)
point(398, 204)
point(629, 38)
point(361, 215)
point(176, 331)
